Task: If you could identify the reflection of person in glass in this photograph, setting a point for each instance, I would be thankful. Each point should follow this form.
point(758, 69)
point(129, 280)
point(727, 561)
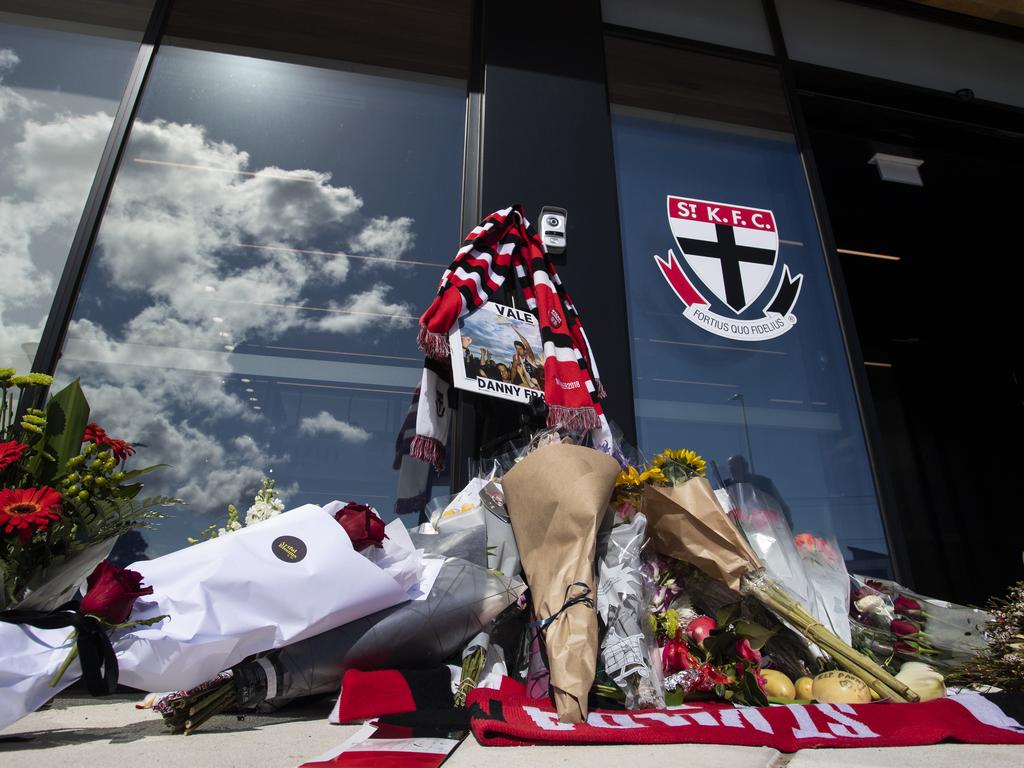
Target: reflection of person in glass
point(526, 368)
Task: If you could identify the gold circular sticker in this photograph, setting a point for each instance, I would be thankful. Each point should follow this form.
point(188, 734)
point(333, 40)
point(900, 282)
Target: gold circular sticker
point(290, 549)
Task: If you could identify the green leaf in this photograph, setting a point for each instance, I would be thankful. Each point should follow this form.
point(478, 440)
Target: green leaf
point(67, 413)
point(719, 643)
point(129, 491)
point(728, 614)
point(144, 471)
point(750, 691)
point(755, 633)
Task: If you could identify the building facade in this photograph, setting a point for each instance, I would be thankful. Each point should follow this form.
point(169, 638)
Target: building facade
point(791, 230)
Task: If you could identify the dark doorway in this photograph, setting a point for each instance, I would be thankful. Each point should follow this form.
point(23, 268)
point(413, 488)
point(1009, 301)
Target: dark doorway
point(939, 321)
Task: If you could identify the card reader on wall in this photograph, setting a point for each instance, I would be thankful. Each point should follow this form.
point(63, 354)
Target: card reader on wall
point(552, 228)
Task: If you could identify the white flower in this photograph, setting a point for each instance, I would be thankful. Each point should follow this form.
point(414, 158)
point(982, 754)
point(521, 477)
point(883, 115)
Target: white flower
point(869, 604)
point(263, 510)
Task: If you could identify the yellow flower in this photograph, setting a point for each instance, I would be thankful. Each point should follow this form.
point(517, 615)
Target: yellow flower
point(653, 475)
point(32, 379)
point(628, 476)
point(685, 458)
point(693, 460)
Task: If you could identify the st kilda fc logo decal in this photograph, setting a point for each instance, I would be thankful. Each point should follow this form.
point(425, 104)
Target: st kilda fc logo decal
point(732, 251)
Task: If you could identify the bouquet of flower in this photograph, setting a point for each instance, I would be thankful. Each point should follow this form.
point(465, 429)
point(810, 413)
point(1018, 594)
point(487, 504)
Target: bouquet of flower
point(759, 515)
point(892, 624)
point(87, 652)
point(65, 495)
point(829, 580)
point(688, 523)
point(1001, 662)
point(556, 498)
point(266, 586)
point(628, 644)
point(419, 634)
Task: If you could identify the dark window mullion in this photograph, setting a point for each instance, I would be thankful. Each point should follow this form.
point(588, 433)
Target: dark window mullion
point(49, 351)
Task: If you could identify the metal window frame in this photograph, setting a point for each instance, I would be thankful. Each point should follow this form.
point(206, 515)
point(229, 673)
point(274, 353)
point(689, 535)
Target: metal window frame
point(854, 356)
point(55, 330)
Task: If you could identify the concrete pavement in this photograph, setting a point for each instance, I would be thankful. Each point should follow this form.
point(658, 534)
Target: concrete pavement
point(106, 733)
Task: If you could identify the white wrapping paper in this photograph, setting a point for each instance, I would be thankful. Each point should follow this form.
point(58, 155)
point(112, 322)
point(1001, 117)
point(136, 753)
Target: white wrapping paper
point(226, 598)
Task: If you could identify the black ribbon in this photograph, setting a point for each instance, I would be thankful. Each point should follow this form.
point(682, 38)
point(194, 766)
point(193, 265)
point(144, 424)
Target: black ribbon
point(95, 653)
point(583, 598)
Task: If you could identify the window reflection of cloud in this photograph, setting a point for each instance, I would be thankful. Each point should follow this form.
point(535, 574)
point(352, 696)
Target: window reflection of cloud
point(47, 165)
point(171, 257)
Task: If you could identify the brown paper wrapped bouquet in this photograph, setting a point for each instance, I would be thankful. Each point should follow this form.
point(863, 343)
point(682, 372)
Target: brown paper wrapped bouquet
point(556, 498)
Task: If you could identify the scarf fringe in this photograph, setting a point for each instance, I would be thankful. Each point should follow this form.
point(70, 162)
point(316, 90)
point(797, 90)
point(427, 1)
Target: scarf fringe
point(573, 419)
point(428, 449)
point(434, 344)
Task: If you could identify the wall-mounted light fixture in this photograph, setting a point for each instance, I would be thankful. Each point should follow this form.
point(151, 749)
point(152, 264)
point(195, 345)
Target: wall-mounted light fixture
point(902, 170)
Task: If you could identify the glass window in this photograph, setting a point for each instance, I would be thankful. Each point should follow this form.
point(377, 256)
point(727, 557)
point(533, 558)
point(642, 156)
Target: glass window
point(735, 23)
point(62, 72)
point(736, 347)
point(250, 308)
point(872, 41)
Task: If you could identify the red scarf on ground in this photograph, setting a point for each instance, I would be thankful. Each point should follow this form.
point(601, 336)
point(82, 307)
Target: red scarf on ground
point(503, 242)
point(509, 718)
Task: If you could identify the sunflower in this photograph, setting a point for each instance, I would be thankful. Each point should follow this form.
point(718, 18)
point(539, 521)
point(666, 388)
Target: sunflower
point(628, 477)
point(653, 475)
point(690, 462)
point(28, 510)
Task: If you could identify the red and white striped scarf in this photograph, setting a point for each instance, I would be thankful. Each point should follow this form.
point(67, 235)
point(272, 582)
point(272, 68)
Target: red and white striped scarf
point(504, 241)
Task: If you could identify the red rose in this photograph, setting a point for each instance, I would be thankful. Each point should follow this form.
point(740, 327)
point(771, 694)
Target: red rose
point(902, 627)
point(746, 652)
point(112, 592)
point(362, 524)
point(905, 648)
point(11, 452)
point(905, 605)
point(700, 628)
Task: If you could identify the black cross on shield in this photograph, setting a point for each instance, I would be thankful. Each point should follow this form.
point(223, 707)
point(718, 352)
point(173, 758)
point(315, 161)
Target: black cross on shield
point(739, 289)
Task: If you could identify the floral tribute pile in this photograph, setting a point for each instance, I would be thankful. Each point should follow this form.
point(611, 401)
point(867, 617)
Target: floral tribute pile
point(66, 494)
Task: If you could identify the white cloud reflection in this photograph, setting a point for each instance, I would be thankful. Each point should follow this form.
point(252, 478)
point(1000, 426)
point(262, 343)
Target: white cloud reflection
point(326, 424)
point(171, 252)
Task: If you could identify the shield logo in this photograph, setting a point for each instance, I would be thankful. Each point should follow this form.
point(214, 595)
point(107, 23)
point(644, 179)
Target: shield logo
point(732, 249)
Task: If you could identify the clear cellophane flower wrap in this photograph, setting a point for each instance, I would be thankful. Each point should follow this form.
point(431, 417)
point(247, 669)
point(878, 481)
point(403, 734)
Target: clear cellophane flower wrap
point(830, 581)
point(764, 526)
point(556, 498)
point(629, 649)
point(687, 523)
point(895, 624)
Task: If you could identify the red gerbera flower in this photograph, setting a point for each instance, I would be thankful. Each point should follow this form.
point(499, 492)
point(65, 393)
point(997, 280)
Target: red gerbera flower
point(10, 452)
point(94, 433)
point(27, 510)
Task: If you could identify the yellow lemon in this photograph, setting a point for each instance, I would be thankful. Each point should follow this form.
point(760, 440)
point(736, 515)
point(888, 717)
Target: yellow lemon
point(837, 687)
point(777, 684)
point(803, 688)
